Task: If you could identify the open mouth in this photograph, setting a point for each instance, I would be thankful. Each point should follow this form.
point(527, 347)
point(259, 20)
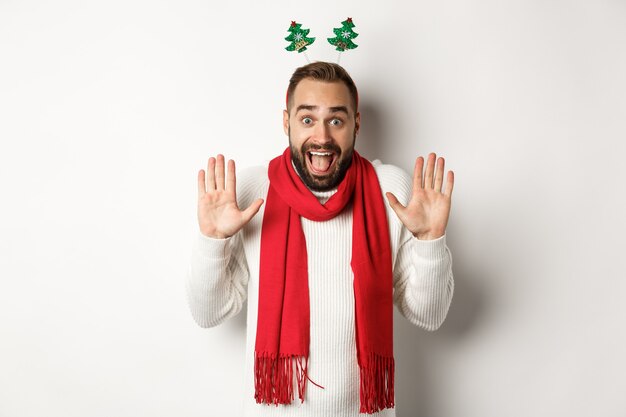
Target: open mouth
point(320, 162)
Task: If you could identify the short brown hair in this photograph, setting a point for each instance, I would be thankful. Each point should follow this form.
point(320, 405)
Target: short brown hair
point(322, 71)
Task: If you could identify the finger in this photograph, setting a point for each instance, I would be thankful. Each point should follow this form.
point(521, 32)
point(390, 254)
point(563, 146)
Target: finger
point(449, 184)
point(201, 184)
point(230, 177)
point(394, 203)
point(210, 174)
point(439, 174)
point(430, 169)
point(219, 172)
point(417, 173)
point(249, 213)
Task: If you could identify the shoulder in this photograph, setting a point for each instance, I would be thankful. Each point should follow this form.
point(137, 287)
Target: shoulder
point(252, 183)
point(393, 179)
point(252, 175)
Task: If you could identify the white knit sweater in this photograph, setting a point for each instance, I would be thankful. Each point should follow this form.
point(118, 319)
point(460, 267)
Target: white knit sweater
point(224, 273)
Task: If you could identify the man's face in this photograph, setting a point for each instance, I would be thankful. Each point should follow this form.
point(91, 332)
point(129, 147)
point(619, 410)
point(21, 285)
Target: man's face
point(322, 129)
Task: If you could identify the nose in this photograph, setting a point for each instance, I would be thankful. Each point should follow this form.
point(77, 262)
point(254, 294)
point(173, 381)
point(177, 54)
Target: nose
point(321, 135)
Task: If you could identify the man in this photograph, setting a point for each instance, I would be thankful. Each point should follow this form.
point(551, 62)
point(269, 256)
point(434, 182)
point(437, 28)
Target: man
point(324, 260)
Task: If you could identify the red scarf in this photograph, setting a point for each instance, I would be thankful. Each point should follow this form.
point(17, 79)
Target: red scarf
point(282, 339)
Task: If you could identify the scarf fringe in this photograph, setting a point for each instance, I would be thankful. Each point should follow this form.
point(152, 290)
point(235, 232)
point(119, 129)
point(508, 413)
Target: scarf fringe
point(273, 378)
point(377, 384)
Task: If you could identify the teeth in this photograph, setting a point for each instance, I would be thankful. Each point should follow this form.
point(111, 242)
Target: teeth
point(321, 153)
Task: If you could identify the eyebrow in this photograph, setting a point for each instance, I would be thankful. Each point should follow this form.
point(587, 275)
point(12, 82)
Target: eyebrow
point(334, 109)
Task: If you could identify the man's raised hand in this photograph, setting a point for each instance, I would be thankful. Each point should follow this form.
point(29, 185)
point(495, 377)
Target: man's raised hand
point(219, 215)
point(426, 214)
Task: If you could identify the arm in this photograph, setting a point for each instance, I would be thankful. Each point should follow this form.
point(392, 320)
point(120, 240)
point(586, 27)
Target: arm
point(217, 279)
point(218, 274)
point(423, 281)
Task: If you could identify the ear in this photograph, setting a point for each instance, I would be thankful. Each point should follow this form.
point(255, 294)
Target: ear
point(286, 122)
point(357, 123)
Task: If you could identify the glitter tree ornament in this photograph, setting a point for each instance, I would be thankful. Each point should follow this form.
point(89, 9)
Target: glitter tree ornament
point(298, 38)
point(343, 36)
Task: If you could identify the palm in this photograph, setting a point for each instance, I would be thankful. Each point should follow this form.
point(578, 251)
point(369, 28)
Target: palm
point(427, 212)
point(219, 211)
point(219, 215)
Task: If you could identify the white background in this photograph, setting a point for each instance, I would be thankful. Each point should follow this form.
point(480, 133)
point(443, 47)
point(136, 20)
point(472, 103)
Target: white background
point(109, 109)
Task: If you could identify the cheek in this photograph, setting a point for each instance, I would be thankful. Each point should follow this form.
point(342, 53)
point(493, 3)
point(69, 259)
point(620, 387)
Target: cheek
point(298, 134)
point(347, 139)
point(295, 139)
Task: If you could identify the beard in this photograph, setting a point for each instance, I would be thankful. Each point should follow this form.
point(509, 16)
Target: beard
point(321, 182)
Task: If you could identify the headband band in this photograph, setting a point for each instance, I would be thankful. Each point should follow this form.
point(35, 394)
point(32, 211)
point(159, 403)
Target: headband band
point(356, 99)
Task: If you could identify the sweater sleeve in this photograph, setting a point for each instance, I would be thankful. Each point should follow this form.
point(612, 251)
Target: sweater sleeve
point(422, 269)
point(423, 282)
point(217, 279)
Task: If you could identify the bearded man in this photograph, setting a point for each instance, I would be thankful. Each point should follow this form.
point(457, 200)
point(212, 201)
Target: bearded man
point(324, 260)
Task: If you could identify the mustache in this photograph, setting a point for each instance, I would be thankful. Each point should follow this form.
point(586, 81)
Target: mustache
point(313, 147)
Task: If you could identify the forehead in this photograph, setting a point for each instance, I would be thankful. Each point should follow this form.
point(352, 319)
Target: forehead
point(321, 93)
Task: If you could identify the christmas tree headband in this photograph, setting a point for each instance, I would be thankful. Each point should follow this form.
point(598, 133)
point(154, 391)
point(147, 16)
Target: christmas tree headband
point(299, 39)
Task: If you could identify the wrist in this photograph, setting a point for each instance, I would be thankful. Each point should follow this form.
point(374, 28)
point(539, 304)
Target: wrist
point(213, 234)
point(429, 235)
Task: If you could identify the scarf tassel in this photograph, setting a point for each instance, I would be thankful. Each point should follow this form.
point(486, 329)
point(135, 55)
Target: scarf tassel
point(377, 384)
point(273, 378)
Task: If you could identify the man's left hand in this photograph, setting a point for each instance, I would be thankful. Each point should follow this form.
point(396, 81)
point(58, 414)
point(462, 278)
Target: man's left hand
point(426, 214)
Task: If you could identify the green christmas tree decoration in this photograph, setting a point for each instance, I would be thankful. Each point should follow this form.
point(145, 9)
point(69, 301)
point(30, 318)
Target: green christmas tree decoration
point(298, 38)
point(343, 36)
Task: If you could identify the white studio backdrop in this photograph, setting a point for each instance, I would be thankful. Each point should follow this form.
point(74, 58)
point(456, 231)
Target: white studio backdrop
point(109, 109)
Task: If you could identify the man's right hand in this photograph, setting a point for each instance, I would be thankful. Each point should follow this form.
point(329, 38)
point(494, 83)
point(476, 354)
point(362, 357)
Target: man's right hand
point(218, 214)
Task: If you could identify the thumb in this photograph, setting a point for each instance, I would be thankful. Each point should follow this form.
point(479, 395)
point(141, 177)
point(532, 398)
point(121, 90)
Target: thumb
point(394, 203)
point(252, 209)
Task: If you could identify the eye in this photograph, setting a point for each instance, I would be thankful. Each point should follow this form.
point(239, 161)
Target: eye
point(336, 122)
point(307, 120)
